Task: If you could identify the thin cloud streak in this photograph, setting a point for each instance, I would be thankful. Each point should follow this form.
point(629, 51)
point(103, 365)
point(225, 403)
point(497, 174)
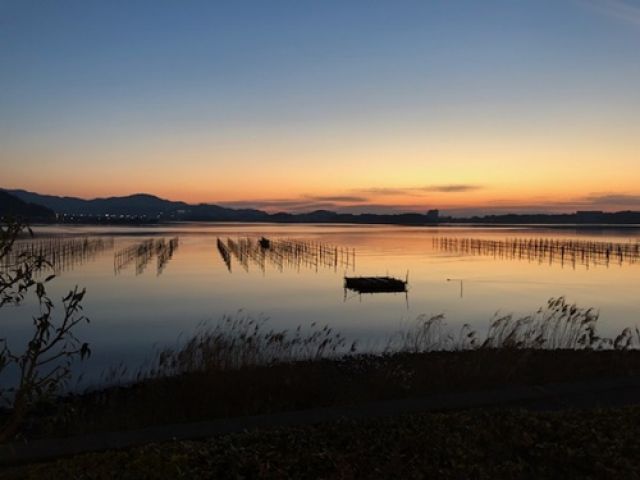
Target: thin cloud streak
point(386, 191)
point(455, 188)
point(301, 206)
point(418, 191)
point(614, 199)
point(337, 198)
point(303, 203)
point(607, 201)
point(382, 209)
point(284, 205)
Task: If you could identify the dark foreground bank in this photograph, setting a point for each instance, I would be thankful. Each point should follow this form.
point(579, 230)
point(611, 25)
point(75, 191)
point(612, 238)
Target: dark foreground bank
point(469, 444)
point(350, 381)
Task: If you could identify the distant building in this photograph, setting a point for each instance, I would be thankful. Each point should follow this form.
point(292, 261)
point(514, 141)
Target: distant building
point(433, 215)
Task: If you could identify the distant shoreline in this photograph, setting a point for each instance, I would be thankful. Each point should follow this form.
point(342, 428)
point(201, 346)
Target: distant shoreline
point(145, 209)
point(576, 226)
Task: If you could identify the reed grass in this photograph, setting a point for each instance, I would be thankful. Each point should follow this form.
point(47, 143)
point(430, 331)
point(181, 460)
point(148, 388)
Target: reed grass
point(240, 366)
point(559, 325)
point(241, 341)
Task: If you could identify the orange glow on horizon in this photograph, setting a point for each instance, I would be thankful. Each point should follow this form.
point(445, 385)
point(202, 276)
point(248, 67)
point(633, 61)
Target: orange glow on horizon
point(486, 171)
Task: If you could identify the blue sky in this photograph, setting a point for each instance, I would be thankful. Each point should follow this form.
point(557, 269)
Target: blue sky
point(270, 101)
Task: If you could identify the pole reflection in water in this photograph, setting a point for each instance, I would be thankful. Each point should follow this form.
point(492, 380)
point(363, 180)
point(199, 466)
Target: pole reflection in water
point(545, 250)
point(61, 254)
point(141, 253)
point(285, 254)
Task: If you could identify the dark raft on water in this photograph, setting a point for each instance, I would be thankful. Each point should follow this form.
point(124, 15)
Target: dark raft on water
point(265, 243)
point(375, 284)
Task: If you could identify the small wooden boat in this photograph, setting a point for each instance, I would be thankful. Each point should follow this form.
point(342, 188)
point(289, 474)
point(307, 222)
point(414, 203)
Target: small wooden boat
point(375, 284)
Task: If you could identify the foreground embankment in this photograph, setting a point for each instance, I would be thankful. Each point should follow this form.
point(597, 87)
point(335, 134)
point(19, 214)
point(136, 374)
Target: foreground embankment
point(468, 444)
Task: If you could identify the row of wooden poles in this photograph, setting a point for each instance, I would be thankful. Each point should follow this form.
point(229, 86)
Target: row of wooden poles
point(61, 254)
point(545, 250)
point(285, 253)
point(141, 254)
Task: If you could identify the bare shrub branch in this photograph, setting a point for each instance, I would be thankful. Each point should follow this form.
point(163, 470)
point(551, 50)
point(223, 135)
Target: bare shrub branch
point(44, 365)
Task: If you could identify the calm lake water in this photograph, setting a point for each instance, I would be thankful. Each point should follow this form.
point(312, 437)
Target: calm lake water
point(149, 285)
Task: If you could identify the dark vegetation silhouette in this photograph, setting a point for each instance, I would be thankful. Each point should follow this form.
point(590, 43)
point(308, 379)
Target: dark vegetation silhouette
point(43, 365)
point(240, 366)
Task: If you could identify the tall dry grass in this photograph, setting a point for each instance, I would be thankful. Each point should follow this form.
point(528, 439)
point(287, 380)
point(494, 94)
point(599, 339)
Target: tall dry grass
point(558, 325)
point(241, 341)
point(240, 366)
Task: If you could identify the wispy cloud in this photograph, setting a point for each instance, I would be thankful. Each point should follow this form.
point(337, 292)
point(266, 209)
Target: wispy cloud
point(294, 205)
point(355, 201)
point(613, 199)
point(622, 9)
point(420, 190)
point(386, 191)
point(453, 188)
point(608, 201)
point(337, 198)
point(298, 204)
point(309, 203)
point(381, 208)
point(262, 203)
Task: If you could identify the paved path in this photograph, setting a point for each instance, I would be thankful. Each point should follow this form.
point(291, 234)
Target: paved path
point(587, 394)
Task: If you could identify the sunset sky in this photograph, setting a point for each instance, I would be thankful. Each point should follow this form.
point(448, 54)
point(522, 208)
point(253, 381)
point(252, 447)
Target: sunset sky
point(467, 106)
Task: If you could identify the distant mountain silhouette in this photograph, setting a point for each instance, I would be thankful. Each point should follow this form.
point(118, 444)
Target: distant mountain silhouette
point(12, 206)
point(139, 205)
point(144, 208)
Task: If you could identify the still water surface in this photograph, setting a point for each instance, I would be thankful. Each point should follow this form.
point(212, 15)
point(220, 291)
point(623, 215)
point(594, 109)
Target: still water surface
point(138, 297)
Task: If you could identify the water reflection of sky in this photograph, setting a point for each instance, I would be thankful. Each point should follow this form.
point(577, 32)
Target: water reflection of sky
point(132, 309)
